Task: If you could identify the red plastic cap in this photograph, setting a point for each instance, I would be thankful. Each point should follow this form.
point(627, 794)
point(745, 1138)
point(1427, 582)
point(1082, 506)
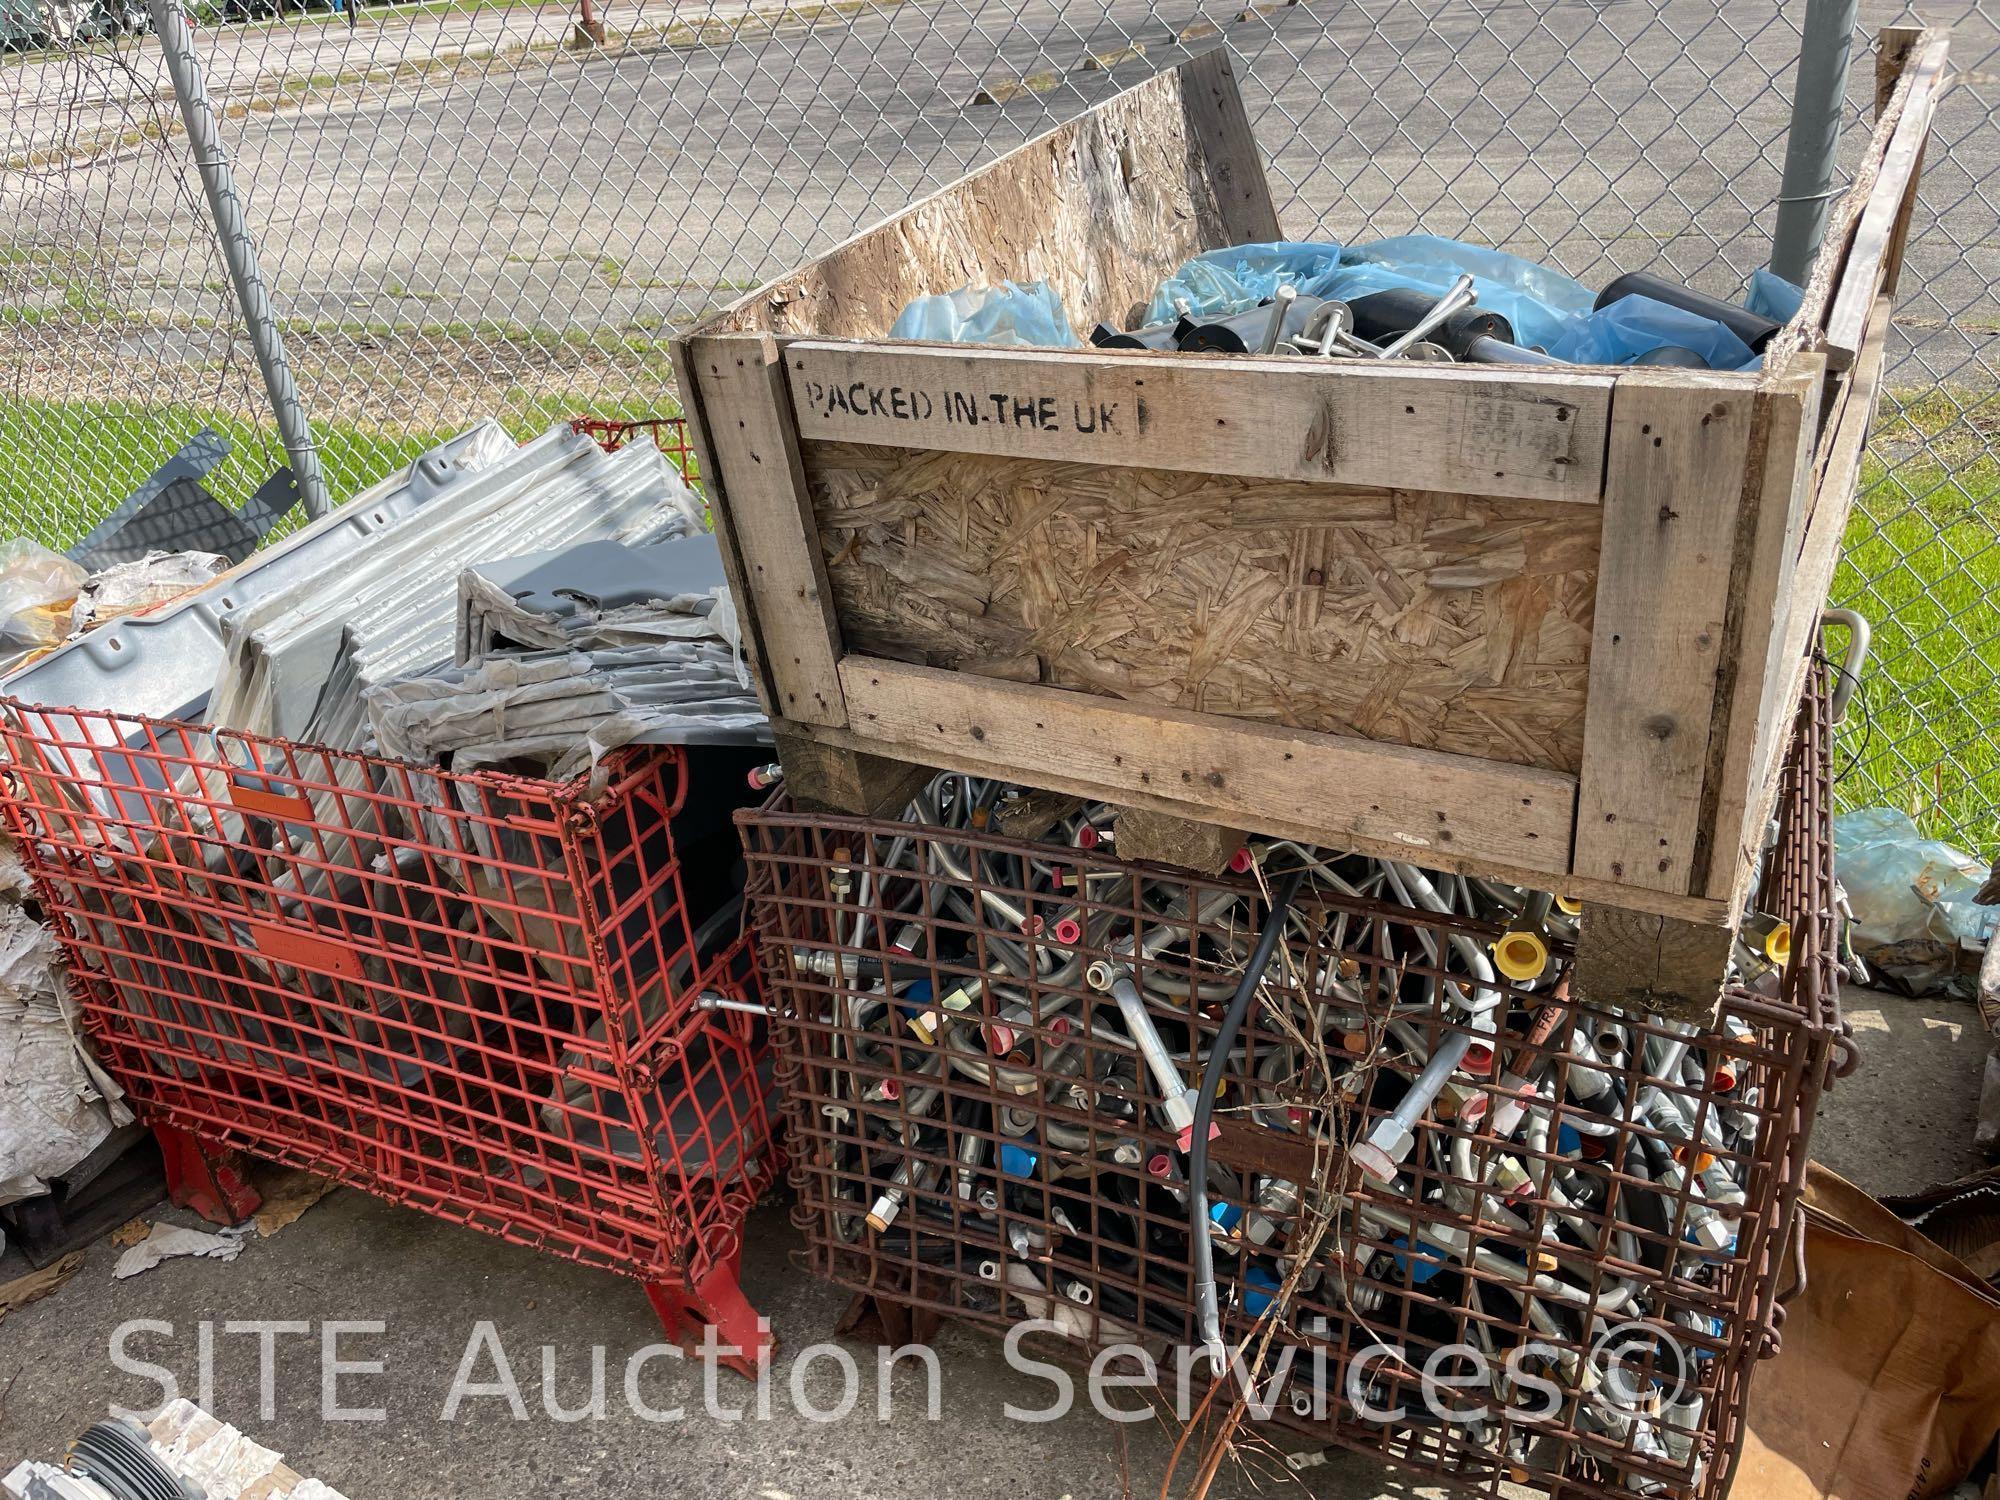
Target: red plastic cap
point(1069, 932)
point(1479, 1058)
point(1241, 861)
point(1086, 837)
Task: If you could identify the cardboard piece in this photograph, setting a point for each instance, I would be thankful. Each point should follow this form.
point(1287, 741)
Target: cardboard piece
point(1888, 1383)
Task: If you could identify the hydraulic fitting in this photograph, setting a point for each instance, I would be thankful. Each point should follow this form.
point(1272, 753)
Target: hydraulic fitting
point(1769, 937)
point(925, 1024)
point(1521, 953)
point(1380, 1156)
point(1176, 1098)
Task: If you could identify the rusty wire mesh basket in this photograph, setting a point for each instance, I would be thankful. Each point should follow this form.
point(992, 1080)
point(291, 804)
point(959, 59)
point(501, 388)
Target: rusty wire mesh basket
point(1602, 1203)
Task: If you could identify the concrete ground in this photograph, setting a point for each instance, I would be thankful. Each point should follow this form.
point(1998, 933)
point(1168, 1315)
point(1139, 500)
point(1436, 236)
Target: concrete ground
point(1904, 1121)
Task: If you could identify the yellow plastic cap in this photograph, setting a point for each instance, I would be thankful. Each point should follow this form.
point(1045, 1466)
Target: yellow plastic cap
point(1520, 956)
point(1569, 906)
point(1778, 943)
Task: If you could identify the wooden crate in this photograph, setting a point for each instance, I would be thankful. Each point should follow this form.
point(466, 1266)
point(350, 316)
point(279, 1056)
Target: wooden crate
point(1541, 624)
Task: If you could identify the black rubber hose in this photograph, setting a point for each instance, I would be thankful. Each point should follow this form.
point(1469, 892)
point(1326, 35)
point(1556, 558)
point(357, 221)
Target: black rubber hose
point(1204, 1108)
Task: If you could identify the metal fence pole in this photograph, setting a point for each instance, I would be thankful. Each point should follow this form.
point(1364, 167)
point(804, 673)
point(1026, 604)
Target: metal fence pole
point(1813, 146)
point(239, 252)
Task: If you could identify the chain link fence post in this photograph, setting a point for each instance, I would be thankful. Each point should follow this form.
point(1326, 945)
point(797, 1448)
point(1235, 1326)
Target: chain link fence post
point(239, 252)
point(1812, 144)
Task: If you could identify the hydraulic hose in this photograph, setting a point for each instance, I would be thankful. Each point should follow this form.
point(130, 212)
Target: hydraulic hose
point(1204, 1109)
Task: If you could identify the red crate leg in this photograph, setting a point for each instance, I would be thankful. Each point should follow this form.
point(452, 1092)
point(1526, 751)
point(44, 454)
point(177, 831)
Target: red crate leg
point(715, 1300)
point(205, 1178)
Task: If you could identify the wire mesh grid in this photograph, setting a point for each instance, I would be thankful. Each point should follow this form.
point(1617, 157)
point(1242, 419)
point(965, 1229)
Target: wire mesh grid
point(119, 338)
point(1604, 1202)
point(474, 994)
point(494, 207)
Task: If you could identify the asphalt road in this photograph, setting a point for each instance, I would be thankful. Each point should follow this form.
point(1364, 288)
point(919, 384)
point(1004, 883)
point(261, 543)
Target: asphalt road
point(1605, 134)
point(467, 173)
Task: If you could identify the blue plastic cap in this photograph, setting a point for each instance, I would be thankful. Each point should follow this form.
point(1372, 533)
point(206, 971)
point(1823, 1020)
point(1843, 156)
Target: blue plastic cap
point(1258, 1285)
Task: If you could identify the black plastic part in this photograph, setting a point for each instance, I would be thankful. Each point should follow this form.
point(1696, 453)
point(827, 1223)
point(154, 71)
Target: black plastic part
point(1672, 357)
point(1244, 332)
point(1382, 316)
point(1753, 329)
point(1160, 336)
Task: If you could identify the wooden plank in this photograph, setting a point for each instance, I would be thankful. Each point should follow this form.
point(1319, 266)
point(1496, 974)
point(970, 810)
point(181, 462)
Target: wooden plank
point(1525, 434)
point(1167, 839)
point(1869, 259)
point(1807, 328)
point(1416, 803)
point(1777, 499)
point(1103, 208)
point(1634, 960)
point(1059, 779)
point(752, 473)
point(832, 778)
point(1673, 488)
point(689, 390)
point(1893, 46)
point(1218, 123)
point(1835, 478)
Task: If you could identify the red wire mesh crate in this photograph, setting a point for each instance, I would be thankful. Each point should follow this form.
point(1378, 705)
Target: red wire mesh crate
point(476, 994)
point(1416, 1160)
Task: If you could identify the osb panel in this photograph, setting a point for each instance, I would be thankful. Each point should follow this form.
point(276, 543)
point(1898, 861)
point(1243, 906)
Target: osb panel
point(1102, 208)
point(1454, 622)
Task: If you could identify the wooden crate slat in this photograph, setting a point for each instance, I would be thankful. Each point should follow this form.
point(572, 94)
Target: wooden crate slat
point(1672, 486)
point(1419, 804)
point(752, 467)
point(1520, 433)
point(1884, 221)
point(1760, 687)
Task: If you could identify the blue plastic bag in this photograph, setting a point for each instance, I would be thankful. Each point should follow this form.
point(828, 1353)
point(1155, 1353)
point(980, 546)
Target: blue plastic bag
point(1541, 303)
point(1632, 326)
point(1220, 282)
point(1904, 886)
point(1773, 297)
point(1013, 313)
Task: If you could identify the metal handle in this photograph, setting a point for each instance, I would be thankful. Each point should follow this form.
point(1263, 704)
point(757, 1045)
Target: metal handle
point(1859, 635)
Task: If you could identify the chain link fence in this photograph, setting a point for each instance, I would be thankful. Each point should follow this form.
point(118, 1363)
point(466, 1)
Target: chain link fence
point(506, 208)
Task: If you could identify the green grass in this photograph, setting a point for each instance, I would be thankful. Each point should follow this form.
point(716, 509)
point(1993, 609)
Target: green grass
point(1922, 562)
point(64, 465)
